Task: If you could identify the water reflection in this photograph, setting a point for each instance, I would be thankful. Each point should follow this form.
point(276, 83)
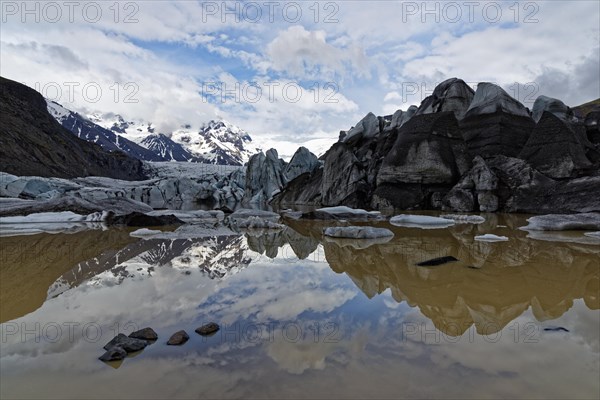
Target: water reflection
point(304, 316)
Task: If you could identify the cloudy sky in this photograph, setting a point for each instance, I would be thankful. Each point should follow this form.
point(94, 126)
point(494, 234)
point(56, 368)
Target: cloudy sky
point(293, 73)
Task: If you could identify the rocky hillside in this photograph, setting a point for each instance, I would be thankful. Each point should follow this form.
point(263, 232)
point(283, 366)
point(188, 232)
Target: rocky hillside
point(460, 150)
point(32, 142)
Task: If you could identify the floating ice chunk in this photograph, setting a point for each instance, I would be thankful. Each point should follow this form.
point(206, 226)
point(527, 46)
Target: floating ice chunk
point(488, 237)
point(63, 216)
point(357, 232)
point(145, 232)
point(563, 222)
point(464, 219)
point(50, 222)
point(593, 234)
point(347, 210)
point(421, 221)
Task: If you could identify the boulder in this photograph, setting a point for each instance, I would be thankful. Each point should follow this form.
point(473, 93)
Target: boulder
point(178, 338)
point(451, 95)
point(113, 354)
point(145, 334)
point(126, 343)
point(208, 329)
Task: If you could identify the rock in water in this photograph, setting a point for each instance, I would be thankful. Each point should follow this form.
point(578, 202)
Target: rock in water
point(178, 338)
point(437, 261)
point(451, 95)
point(113, 354)
point(495, 123)
point(207, 329)
point(126, 343)
point(145, 334)
point(554, 106)
point(554, 149)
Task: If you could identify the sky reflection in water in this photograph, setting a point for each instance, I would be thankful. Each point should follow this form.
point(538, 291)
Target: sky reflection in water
point(303, 317)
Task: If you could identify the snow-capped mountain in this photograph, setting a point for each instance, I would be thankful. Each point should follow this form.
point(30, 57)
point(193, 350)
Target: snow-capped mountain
point(87, 130)
point(217, 142)
point(168, 149)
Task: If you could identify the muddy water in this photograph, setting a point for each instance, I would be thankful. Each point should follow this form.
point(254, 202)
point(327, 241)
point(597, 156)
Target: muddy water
point(304, 317)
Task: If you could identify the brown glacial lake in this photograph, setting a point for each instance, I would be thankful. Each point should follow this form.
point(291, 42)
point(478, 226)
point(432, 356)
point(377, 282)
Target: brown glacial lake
point(304, 317)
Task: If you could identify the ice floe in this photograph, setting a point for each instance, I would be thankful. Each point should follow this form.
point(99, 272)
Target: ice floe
point(488, 237)
point(421, 221)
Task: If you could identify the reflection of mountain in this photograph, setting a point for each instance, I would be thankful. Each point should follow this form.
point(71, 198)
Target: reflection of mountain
point(269, 242)
point(509, 278)
point(30, 264)
point(216, 256)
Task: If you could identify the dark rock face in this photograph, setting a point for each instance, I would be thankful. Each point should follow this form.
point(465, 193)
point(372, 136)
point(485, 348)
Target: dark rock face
point(208, 329)
point(145, 334)
point(428, 156)
point(496, 158)
point(495, 123)
point(592, 126)
point(265, 176)
point(344, 178)
point(33, 143)
point(451, 95)
point(554, 149)
point(138, 219)
point(488, 135)
point(178, 338)
point(305, 189)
